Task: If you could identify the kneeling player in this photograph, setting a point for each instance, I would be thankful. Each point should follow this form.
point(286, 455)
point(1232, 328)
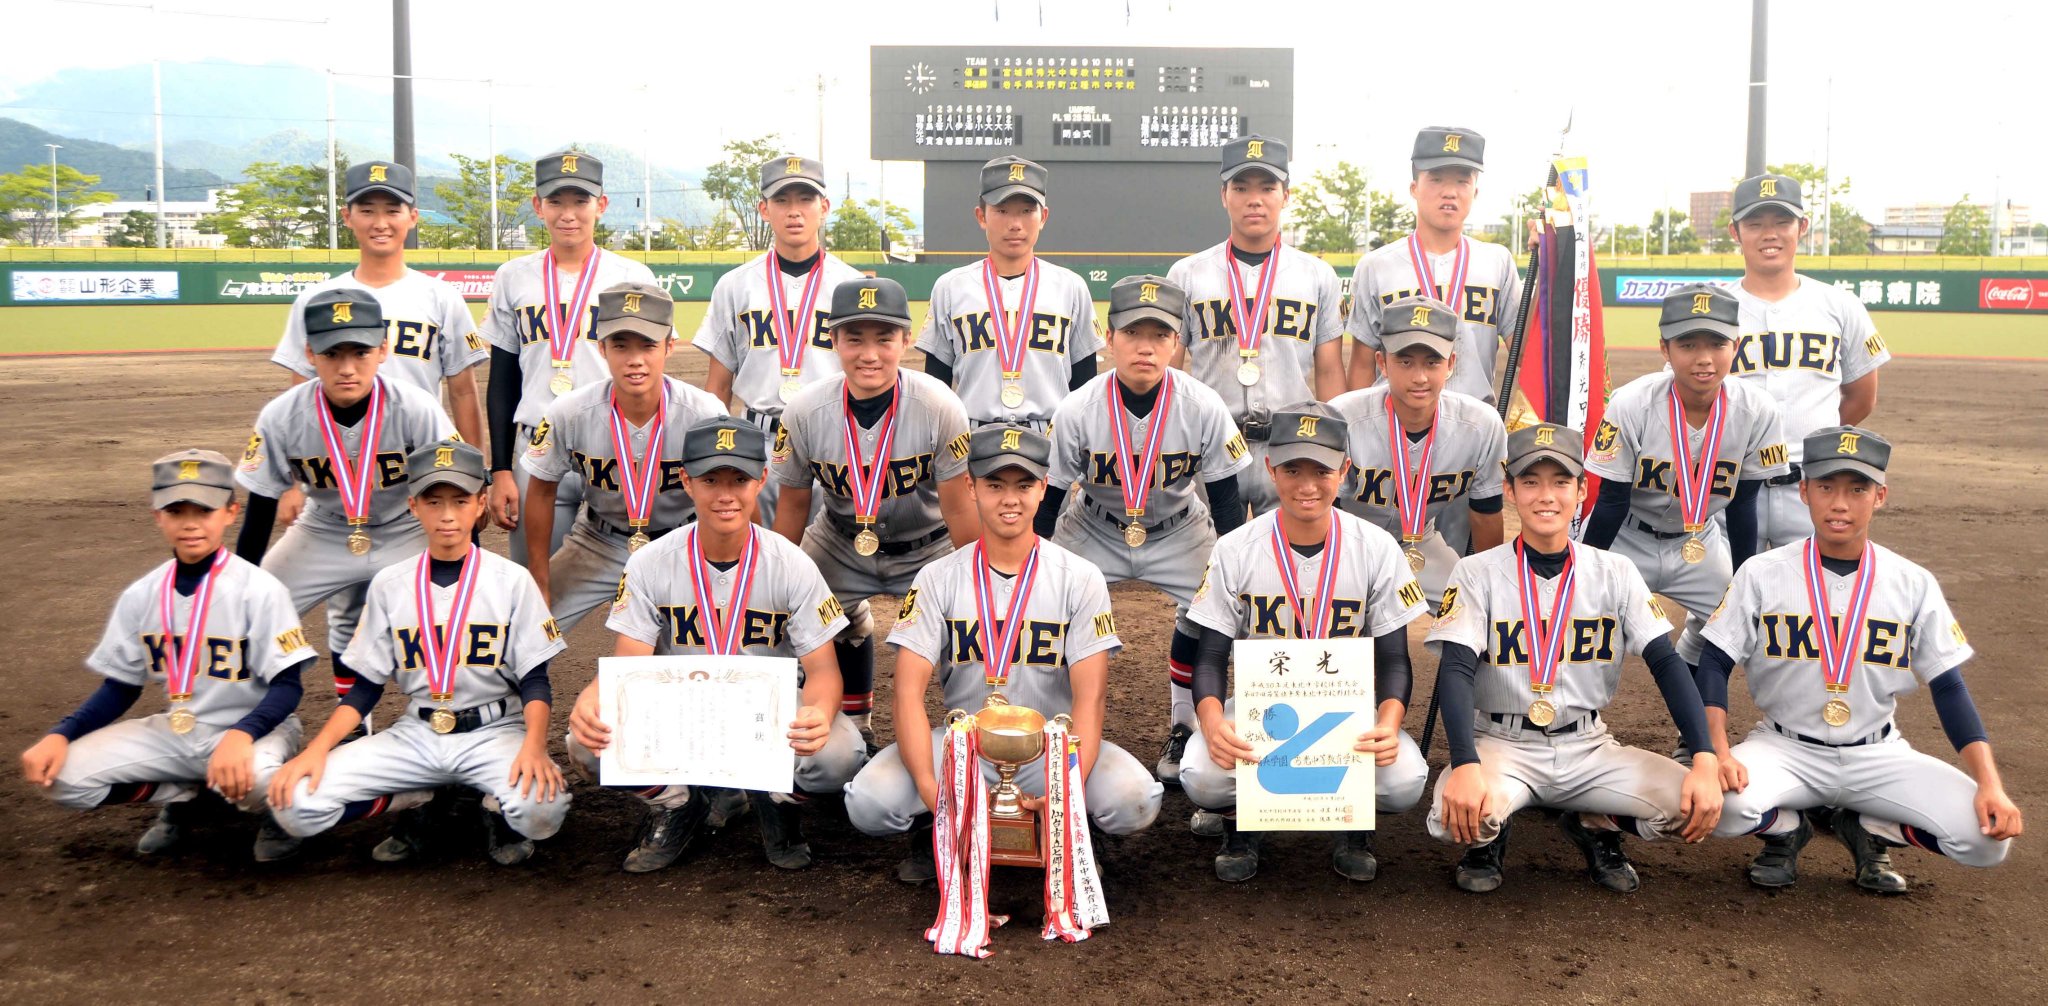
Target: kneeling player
point(1338, 576)
point(725, 586)
point(466, 635)
point(1010, 598)
point(1530, 638)
point(204, 611)
point(1830, 631)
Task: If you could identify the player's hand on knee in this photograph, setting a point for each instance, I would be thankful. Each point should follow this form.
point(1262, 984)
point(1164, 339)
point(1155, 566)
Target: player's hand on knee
point(1382, 743)
point(808, 732)
point(289, 506)
point(1734, 774)
point(534, 774)
point(1466, 795)
point(584, 725)
point(44, 759)
point(1997, 816)
point(1225, 747)
point(309, 765)
point(503, 501)
point(231, 771)
point(1699, 800)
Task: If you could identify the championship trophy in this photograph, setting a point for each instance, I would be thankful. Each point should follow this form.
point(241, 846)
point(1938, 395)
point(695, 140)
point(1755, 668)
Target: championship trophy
point(1010, 737)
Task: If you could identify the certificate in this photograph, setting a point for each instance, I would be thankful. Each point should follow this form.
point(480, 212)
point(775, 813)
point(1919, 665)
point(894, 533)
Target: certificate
point(1301, 705)
point(698, 721)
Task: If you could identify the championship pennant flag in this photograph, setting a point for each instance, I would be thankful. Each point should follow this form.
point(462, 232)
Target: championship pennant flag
point(1562, 375)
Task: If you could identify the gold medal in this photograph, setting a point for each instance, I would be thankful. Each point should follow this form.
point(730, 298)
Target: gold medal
point(564, 380)
point(790, 388)
point(1134, 534)
point(1013, 394)
point(637, 542)
point(1542, 713)
point(182, 721)
point(1835, 713)
point(358, 542)
point(1415, 559)
point(1693, 551)
point(1248, 373)
point(867, 542)
point(443, 720)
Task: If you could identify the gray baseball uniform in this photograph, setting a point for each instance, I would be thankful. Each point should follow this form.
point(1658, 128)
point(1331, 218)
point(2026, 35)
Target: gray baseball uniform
point(1487, 304)
point(789, 613)
point(1633, 445)
point(1908, 637)
point(1244, 597)
point(960, 333)
point(508, 632)
point(518, 321)
point(313, 559)
point(1066, 619)
point(1304, 315)
point(1803, 349)
point(1464, 465)
point(1576, 765)
point(738, 333)
point(252, 633)
point(930, 448)
point(426, 324)
point(576, 438)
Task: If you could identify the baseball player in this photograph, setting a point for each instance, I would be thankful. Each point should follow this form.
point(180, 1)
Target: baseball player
point(1015, 614)
point(1262, 325)
point(542, 327)
point(765, 332)
point(1423, 457)
point(223, 638)
point(624, 438)
point(1477, 279)
point(1660, 491)
point(1310, 571)
point(467, 636)
point(1530, 638)
point(1138, 441)
point(1830, 631)
point(346, 435)
point(888, 447)
point(1812, 345)
point(1012, 333)
point(774, 605)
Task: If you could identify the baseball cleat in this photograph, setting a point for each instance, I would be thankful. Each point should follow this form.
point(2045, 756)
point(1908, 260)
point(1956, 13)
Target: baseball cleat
point(1351, 856)
point(507, 847)
point(666, 834)
point(1169, 759)
point(169, 829)
point(273, 843)
point(1605, 862)
point(1778, 864)
point(918, 867)
point(727, 806)
point(782, 832)
point(1873, 863)
point(408, 837)
point(1206, 823)
point(1238, 860)
point(1479, 870)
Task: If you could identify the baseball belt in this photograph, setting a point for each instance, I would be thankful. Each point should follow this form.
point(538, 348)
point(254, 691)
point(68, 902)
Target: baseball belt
point(1882, 733)
point(1661, 535)
point(1520, 722)
point(474, 717)
point(616, 531)
point(846, 526)
point(1172, 523)
point(1256, 429)
point(1789, 479)
point(768, 422)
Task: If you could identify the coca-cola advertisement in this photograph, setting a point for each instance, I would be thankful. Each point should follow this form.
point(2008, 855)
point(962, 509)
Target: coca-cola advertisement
point(2012, 294)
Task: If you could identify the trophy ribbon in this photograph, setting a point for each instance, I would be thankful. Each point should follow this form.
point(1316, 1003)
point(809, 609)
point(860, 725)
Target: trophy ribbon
point(1073, 888)
point(960, 848)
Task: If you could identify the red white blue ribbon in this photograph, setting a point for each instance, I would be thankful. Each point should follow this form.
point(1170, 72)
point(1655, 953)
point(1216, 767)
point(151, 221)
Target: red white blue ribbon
point(1838, 656)
point(1010, 339)
point(999, 639)
point(722, 636)
point(566, 319)
point(352, 475)
point(1250, 319)
point(182, 666)
point(1135, 472)
point(1545, 639)
point(1314, 623)
point(867, 481)
point(1461, 262)
point(1696, 473)
point(793, 331)
point(443, 652)
point(637, 483)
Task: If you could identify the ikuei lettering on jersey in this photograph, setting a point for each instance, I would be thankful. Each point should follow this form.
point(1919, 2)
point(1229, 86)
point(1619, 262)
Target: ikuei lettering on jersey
point(1480, 303)
point(900, 477)
point(1790, 636)
point(1293, 319)
point(483, 645)
point(603, 473)
point(1175, 467)
point(1588, 641)
point(224, 658)
point(318, 472)
point(1046, 334)
point(1655, 475)
point(761, 333)
point(1270, 618)
point(1815, 351)
point(1039, 643)
point(1376, 486)
point(682, 628)
point(530, 321)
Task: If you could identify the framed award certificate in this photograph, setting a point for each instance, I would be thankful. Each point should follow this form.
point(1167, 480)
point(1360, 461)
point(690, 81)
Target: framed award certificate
point(698, 721)
point(1301, 704)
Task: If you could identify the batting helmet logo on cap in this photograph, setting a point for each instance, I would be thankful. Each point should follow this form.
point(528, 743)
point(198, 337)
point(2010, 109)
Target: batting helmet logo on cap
point(377, 173)
point(1255, 149)
point(867, 296)
point(1420, 319)
point(569, 164)
point(188, 470)
point(1148, 293)
point(632, 303)
point(793, 165)
point(342, 314)
point(1701, 302)
point(726, 440)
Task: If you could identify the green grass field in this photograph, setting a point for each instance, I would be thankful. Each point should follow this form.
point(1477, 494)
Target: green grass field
point(143, 328)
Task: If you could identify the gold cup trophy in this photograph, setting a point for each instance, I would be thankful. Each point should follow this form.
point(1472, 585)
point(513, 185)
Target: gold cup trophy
point(1010, 737)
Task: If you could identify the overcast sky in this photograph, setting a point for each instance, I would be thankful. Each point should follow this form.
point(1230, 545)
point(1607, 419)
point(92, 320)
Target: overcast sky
point(1929, 100)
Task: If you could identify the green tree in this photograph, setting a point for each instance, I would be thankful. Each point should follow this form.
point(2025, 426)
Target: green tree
point(1683, 240)
point(1848, 233)
point(467, 200)
point(277, 206)
point(1392, 220)
point(29, 191)
point(1333, 212)
point(860, 226)
point(1966, 230)
point(1515, 222)
point(136, 230)
point(1719, 242)
point(735, 183)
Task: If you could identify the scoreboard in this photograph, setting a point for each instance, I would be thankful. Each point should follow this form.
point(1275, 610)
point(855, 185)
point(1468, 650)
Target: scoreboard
point(1077, 103)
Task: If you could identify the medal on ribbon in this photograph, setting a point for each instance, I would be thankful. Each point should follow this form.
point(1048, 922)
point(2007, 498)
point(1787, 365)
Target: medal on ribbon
point(793, 331)
point(867, 481)
point(1545, 639)
point(1838, 657)
point(566, 319)
point(1250, 319)
point(722, 635)
point(443, 651)
point(1135, 472)
point(637, 483)
point(352, 475)
point(1695, 475)
point(1010, 339)
point(999, 639)
point(1313, 623)
point(1425, 274)
point(1411, 492)
point(181, 663)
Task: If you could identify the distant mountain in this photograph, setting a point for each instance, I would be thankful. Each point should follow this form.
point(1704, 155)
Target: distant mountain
point(126, 173)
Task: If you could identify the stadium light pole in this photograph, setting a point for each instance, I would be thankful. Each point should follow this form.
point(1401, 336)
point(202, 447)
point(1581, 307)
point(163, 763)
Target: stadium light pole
point(1759, 22)
point(333, 235)
point(491, 117)
point(156, 97)
point(401, 97)
point(56, 224)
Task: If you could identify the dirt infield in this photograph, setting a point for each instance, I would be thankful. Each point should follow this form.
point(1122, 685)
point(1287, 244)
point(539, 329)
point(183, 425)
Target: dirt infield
point(82, 919)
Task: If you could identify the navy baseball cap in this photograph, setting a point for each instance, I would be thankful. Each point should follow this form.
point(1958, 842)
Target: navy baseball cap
point(1311, 431)
point(1546, 442)
point(1448, 147)
point(448, 462)
point(641, 309)
point(871, 298)
point(1137, 298)
point(1255, 153)
point(1012, 176)
point(192, 476)
point(997, 446)
point(1702, 308)
point(778, 173)
point(378, 176)
point(342, 318)
point(1419, 321)
point(1760, 191)
point(724, 442)
point(568, 169)
point(1832, 449)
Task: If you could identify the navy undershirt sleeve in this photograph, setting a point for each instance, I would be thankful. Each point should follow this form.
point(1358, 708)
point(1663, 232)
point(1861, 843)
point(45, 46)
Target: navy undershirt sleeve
point(1491, 504)
point(1083, 372)
point(1681, 695)
point(1608, 512)
point(1226, 505)
point(103, 706)
point(1455, 668)
point(1392, 675)
point(258, 519)
point(501, 403)
point(1712, 676)
point(1047, 519)
point(1212, 666)
point(1958, 713)
point(939, 369)
point(1741, 518)
point(280, 700)
point(363, 695)
point(534, 686)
